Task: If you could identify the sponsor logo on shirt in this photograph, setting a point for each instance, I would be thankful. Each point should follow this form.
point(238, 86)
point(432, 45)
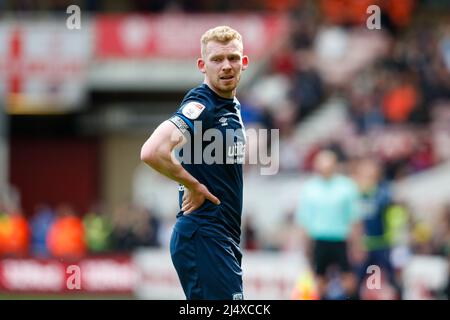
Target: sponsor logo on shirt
point(192, 110)
point(223, 121)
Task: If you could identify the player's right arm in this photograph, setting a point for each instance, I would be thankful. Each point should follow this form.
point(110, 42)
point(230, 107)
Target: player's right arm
point(157, 152)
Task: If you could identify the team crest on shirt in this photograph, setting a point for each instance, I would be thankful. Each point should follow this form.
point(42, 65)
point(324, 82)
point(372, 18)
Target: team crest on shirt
point(238, 296)
point(192, 110)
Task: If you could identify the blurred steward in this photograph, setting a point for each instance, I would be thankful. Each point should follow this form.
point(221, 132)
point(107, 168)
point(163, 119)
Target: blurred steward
point(98, 230)
point(66, 235)
point(14, 234)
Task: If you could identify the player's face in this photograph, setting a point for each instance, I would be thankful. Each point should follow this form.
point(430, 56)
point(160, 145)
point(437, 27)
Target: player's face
point(222, 65)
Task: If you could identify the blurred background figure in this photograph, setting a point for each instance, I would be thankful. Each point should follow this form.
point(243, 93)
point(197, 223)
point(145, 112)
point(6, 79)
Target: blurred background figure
point(98, 229)
point(14, 234)
point(65, 239)
point(328, 211)
point(40, 224)
point(380, 226)
point(133, 227)
point(249, 234)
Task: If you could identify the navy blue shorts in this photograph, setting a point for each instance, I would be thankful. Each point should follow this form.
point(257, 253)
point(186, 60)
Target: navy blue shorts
point(209, 268)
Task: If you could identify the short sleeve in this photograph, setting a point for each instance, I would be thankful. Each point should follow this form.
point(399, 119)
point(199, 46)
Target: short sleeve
point(191, 116)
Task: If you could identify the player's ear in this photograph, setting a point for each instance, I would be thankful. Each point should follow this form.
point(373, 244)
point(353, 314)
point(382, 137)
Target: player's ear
point(201, 65)
point(244, 62)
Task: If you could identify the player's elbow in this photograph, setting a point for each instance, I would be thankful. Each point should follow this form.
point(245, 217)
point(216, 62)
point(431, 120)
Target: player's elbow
point(149, 154)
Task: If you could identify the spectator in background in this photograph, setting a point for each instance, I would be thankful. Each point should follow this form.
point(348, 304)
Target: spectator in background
point(327, 212)
point(40, 224)
point(308, 88)
point(146, 228)
point(134, 227)
point(122, 236)
point(375, 200)
point(66, 235)
point(400, 101)
point(442, 233)
point(423, 155)
point(98, 230)
point(4, 225)
point(14, 234)
point(249, 235)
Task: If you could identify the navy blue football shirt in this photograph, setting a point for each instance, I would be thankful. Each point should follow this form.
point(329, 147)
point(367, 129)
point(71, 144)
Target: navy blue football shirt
point(214, 155)
point(374, 206)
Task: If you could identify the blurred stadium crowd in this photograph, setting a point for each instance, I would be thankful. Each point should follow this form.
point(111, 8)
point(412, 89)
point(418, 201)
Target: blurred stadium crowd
point(390, 90)
point(61, 232)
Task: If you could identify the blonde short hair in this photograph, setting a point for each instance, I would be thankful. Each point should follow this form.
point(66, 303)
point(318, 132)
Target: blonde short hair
point(222, 34)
